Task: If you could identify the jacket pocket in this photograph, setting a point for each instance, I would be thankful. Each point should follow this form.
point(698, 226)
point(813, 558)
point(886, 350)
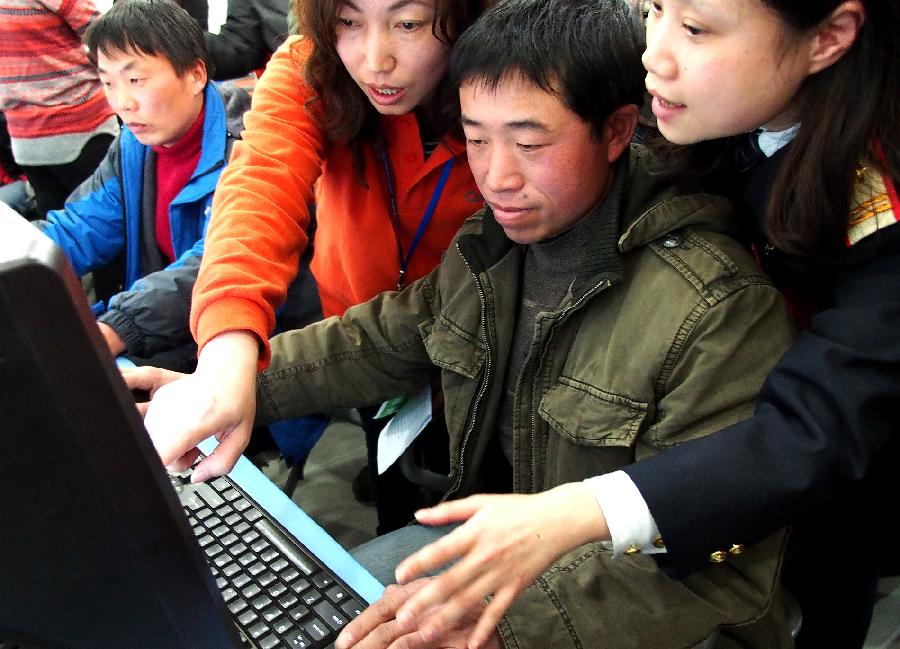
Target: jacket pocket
point(453, 349)
point(461, 358)
point(591, 431)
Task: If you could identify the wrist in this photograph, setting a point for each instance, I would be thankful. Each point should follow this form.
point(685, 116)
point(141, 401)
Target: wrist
point(581, 515)
point(114, 342)
point(230, 351)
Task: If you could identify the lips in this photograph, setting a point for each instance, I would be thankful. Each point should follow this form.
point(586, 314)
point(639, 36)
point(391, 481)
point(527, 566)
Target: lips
point(385, 95)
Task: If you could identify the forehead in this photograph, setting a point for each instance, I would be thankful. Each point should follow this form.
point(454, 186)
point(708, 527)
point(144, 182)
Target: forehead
point(117, 61)
point(513, 103)
point(385, 6)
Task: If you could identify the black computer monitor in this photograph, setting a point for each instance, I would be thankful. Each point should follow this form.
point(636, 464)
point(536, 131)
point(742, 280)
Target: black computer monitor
point(95, 550)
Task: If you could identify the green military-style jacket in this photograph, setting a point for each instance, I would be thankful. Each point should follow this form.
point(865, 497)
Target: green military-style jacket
point(665, 334)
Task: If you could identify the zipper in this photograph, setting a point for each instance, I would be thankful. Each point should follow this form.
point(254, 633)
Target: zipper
point(484, 382)
point(603, 284)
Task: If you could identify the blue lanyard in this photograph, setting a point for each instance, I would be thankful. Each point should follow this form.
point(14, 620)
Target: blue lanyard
point(426, 217)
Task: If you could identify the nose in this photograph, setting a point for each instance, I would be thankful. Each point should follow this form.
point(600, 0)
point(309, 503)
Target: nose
point(121, 98)
point(379, 53)
point(502, 173)
point(658, 58)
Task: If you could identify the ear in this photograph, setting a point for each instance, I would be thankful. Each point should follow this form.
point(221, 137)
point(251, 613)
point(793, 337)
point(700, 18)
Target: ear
point(836, 34)
point(198, 75)
point(618, 129)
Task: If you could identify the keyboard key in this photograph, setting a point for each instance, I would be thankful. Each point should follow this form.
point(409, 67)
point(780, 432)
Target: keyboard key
point(269, 642)
point(221, 560)
point(298, 613)
point(237, 549)
point(266, 578)
point(299, 641)
point(231, 494)
point(247, 617)
point(221, 582)
point(290, 574)
point(300, 585)
point(203, 513)
point(229, 539)
point(322, 580)
point(278, 589)
point(269, 555)
point(282, 626)
point(330, 614)
point(231, 570)
point(209, 496)
point(251, 591)
point(287, 601)
point(352, 608)
point(287, 547)
point(220, 530)
point(336, 594)
point(220, 484)
point(241, 580)
point(311, 596)
point(258, 630)
point(271, 614)
point(317, 630)
point(229, 594)
point(259, 544)
point(205, 540)
point(260, 602)
point(279, 565)
point(237, 606)
point(242, 505)
point(242, 527)
point(233, 520)
point(213, 550)
point(256, 568)
point(246, 559)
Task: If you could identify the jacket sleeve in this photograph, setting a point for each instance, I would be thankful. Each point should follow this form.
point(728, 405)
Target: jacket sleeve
point(90, 228)
point(822, 417)
point(238, 48)
point(260, 215)
point(152, 315)
point(372, 353)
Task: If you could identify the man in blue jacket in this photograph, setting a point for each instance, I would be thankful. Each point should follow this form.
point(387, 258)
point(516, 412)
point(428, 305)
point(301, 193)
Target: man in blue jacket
point(147, 205)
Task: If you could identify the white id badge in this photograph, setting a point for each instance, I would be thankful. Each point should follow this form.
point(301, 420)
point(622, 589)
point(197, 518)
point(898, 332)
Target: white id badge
point(409, 421)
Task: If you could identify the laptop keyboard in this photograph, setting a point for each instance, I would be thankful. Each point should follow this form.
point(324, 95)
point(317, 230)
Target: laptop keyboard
point(278, 595)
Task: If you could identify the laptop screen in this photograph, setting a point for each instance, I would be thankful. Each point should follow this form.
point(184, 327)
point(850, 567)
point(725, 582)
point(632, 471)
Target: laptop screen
point(95, 549)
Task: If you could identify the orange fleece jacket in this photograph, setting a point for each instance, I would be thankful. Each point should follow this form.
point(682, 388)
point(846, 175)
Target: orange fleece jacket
point(257, 229)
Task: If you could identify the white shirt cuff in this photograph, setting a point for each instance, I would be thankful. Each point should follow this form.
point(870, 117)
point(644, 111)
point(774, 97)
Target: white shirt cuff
point(631, 525)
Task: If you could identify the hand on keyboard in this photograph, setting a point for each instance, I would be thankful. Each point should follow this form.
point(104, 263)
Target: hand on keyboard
point(377, 627)
point(218, 399)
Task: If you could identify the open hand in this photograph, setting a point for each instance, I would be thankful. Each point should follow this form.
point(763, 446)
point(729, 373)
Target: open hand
point(506, 542)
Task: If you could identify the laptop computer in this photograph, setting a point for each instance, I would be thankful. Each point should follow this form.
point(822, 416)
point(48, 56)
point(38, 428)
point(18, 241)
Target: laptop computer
point(101, 547)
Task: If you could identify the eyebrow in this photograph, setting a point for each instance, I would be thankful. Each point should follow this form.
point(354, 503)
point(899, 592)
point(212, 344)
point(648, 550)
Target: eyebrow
point(515, 125)
point(125, 68)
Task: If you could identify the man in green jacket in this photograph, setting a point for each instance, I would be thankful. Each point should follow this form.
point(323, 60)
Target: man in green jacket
point(587, 317)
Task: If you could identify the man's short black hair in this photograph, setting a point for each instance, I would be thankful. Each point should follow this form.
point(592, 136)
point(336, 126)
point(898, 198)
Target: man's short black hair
point(587, 52)
point(154, 27)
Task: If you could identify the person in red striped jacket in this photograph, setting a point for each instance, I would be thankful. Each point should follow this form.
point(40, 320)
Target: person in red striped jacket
point(59, 121)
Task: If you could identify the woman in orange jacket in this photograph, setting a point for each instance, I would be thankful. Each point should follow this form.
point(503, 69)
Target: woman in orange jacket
point(357, 117)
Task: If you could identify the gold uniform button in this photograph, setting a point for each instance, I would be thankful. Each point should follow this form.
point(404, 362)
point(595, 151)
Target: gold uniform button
point(736, 549)
point(659, 543)
point(632, 549)
point(718, 556)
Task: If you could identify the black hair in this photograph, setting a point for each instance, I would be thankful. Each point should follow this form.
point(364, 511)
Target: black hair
point(587, 52)
point(153, 27)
